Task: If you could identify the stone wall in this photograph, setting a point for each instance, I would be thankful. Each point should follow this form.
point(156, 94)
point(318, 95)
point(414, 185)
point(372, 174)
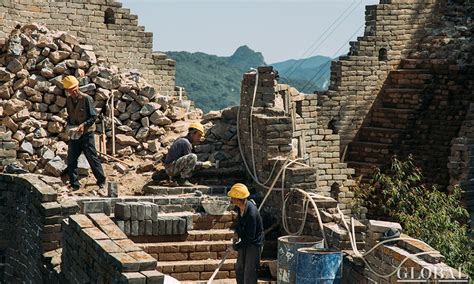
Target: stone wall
point(95, 250)
point(104, 24)
point(392, 30)
point(30, 225)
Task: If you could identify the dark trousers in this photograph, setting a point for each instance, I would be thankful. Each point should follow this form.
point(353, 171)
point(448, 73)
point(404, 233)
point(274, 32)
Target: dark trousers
point(247, 264)
point(86, 145)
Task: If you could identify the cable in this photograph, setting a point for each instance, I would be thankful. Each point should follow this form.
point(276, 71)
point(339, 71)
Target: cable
point(337, 52)
point(329, 34)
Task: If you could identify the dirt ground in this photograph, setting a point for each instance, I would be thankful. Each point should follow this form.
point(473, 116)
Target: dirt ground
point(129, 182)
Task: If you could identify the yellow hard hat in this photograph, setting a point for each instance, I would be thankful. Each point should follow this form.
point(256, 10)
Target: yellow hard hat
point(239, 191)
point(198, 126)
point(70, 82)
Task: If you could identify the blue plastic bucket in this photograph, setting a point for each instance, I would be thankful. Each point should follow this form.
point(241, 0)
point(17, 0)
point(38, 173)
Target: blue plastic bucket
point(318, 266)
point(287, 250)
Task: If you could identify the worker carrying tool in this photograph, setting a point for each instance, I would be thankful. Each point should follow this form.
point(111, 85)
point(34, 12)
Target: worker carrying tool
point(80, 127)
point(250, 236)
point(180, 162)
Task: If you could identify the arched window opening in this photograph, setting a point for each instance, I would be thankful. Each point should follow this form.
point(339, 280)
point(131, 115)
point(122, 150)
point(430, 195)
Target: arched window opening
point(383, 54)
point(109, 17)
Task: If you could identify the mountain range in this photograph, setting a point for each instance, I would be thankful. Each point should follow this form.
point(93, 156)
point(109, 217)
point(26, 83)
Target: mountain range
point(213, 82)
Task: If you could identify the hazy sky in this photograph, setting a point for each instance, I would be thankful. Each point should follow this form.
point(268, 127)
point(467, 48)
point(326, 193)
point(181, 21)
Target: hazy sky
point(280, 29)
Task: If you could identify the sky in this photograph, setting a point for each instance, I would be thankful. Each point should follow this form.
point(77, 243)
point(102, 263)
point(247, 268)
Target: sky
point(280, 29)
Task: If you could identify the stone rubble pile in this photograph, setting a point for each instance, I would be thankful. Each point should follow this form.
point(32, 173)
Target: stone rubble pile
point(33, 62)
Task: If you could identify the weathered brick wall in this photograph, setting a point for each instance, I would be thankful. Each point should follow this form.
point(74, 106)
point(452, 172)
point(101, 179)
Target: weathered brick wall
point(392, 27)
point(30, 225)
point(120, 41)
point(97, 251)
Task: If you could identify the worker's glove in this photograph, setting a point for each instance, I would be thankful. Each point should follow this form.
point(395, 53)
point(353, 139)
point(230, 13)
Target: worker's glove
point(206, 164)
point(236, 244)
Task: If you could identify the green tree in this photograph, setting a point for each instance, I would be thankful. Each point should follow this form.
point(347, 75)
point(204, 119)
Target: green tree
point(436, 217)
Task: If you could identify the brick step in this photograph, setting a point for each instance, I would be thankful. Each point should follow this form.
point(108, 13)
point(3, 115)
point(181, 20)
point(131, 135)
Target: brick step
point(380, 135)
point(189, 250)
point(393, 118)
point(169, 190)
point(369, 152)
point(192, 235)
point(364, 169)
point(228, 281)
point(197, 269)
point(402, 98)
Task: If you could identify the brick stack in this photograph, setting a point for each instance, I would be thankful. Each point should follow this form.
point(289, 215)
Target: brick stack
point(8, 147)
point(96, 250)
point(111, 29)
point(30, 224)
point(144, 219)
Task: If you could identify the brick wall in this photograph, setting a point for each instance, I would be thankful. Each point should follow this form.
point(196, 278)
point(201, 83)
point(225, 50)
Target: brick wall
point(30, 225)
point(121, 41)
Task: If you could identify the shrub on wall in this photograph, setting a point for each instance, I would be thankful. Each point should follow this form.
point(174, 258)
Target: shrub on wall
point(436, 217)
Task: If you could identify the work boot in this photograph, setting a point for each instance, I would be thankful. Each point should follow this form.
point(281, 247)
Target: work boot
point(183, 182)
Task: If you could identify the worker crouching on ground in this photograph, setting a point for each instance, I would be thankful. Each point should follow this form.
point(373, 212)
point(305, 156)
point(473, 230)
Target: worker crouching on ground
point(180, 162)
point(81, 124)
point(249, 235)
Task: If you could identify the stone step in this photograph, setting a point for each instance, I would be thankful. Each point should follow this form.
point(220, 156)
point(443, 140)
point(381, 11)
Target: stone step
point(369, 152)
point(380, 135)
point(192, 235)
point(393, 118)
point(197, 269)
point(228, 281)
point(403, 98)
point(364, 169)
point(168, 190)
point(189, 250)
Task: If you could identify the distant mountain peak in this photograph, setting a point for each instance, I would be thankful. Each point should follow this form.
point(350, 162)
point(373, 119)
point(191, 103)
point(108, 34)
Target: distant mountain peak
point(245, 57)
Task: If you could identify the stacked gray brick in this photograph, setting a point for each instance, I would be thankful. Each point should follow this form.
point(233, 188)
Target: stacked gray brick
point(143, 219)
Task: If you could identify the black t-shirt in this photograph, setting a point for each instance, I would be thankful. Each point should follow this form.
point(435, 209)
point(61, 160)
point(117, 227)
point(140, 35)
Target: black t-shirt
point(250, 227)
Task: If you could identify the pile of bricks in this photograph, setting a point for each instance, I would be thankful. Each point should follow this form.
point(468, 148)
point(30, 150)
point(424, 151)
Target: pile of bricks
point(33, 63)
point(111, 29)
point(143, 219)
point(96, 250)
point(8, 147)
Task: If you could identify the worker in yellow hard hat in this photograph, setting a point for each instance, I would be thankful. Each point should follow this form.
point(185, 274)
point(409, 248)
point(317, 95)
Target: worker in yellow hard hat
point(81, 126)
point(249, 235)
point(180, 162)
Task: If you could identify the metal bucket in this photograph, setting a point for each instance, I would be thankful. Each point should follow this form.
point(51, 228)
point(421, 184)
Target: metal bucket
point(318, 266)
point(287, 250)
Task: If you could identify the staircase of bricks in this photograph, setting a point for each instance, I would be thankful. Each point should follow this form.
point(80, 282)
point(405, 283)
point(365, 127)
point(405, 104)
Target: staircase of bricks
point(172, 225)
point(191, 250)
point(391, 122)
